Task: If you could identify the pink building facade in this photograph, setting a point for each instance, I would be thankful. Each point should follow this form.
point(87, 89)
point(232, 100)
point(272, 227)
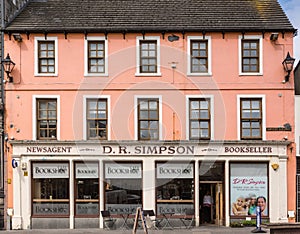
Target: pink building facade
point(120, 120)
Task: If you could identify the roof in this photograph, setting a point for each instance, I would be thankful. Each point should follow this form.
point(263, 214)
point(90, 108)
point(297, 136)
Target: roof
point(150, 15)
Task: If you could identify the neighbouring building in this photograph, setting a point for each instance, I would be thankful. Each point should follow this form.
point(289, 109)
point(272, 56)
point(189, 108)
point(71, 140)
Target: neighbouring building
point(297, 137)
point(115, 105)
point(8, 8)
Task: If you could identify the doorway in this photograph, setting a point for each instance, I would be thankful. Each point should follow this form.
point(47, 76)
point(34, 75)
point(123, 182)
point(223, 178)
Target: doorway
point(215, 213)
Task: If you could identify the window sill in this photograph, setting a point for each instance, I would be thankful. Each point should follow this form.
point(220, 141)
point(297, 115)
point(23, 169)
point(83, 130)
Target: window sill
point(251, 74)
point(96, 75)
point(46, 75)
point(147, 74)
point(199, 74)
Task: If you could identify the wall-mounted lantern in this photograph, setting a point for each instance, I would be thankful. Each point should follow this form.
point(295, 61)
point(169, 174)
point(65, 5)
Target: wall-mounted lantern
point(8, 66)
point(288, 64)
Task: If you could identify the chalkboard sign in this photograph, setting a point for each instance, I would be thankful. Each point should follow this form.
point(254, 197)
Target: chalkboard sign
point(139, 215)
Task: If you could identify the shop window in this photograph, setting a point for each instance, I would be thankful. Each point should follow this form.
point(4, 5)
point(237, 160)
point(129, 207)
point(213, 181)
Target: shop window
point(174, 187)
point(86, 189)
point(248, 189)
point(50, 189)
point(123, 187)
point(97, 119)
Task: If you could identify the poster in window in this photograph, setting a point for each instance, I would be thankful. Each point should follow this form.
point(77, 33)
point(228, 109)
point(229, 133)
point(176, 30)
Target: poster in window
point(248, 188)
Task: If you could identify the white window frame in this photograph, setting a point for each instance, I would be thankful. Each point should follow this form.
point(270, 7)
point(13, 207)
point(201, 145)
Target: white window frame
point(263, 107)
point(209, 71)
point(212, 114)
point(87, 97)
point(90, 38)
point(153, 38)
point(34, 114)
point(251, 37)
point(36, 56)
point(136, 128)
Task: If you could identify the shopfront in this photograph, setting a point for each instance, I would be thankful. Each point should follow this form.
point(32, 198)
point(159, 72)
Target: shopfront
point(67, 185)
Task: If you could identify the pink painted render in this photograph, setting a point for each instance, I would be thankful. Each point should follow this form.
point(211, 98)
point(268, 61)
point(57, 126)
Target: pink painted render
point(173, 85)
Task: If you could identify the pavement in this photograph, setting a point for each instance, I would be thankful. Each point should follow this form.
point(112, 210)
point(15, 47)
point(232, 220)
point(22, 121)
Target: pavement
point(198, 230)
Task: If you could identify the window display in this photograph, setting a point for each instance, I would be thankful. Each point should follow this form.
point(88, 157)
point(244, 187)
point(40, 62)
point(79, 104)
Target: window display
point(123, 187)
point(86, 188)
point(175, 187)
point(248, 188)
point(50, 189)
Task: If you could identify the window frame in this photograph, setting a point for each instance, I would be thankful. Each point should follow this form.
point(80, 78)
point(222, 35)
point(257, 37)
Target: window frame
point(36, 55)
point(136, 115)
point(35, 98)
point(263, 118)
point(89, 200)
point(85, 127)
point(209, 55)
point(139, 39)
point(49, 200)
point(210, 98)
point(86, 57)
point(260, 57)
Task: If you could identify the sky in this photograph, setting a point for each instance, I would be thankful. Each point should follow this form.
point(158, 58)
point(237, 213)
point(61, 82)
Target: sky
point(292, 10)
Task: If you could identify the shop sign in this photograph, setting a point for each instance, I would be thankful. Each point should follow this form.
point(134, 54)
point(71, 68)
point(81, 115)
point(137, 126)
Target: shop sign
point(50, 209)
point(175, 170)
point(87, 209)
point(154, 149)
point(87, 170)
point(50, 170)
point(122, 208)
point(173, 208)
point(123, 170)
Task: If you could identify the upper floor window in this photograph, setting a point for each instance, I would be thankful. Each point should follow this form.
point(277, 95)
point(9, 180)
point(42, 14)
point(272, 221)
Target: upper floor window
point(46, 119)
point(97, 118)
point(200, 118)
point(251, 55)
point(46, 56)
point(96, 56)
point(148, 119)
point(199, 60)
point(251, 118)
point(148, 56)
point(199, 55)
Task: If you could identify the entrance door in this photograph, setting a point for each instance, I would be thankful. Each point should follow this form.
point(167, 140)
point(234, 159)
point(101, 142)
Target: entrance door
point(219, 204)
point(214, 214)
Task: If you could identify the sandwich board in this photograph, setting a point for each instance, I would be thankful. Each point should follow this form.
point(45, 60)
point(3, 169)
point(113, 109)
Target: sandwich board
point(139, 215)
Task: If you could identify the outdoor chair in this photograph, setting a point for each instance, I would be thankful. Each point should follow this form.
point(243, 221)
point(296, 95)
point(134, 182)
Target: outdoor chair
point(188, 218)
point(108, 221)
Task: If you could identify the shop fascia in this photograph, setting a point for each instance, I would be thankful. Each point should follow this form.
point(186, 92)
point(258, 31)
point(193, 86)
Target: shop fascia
point(129, 148)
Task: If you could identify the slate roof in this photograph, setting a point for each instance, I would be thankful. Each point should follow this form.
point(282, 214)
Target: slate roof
point(150, 15)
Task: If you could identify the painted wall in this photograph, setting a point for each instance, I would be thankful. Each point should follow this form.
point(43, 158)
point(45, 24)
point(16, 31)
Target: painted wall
point(173, 85)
